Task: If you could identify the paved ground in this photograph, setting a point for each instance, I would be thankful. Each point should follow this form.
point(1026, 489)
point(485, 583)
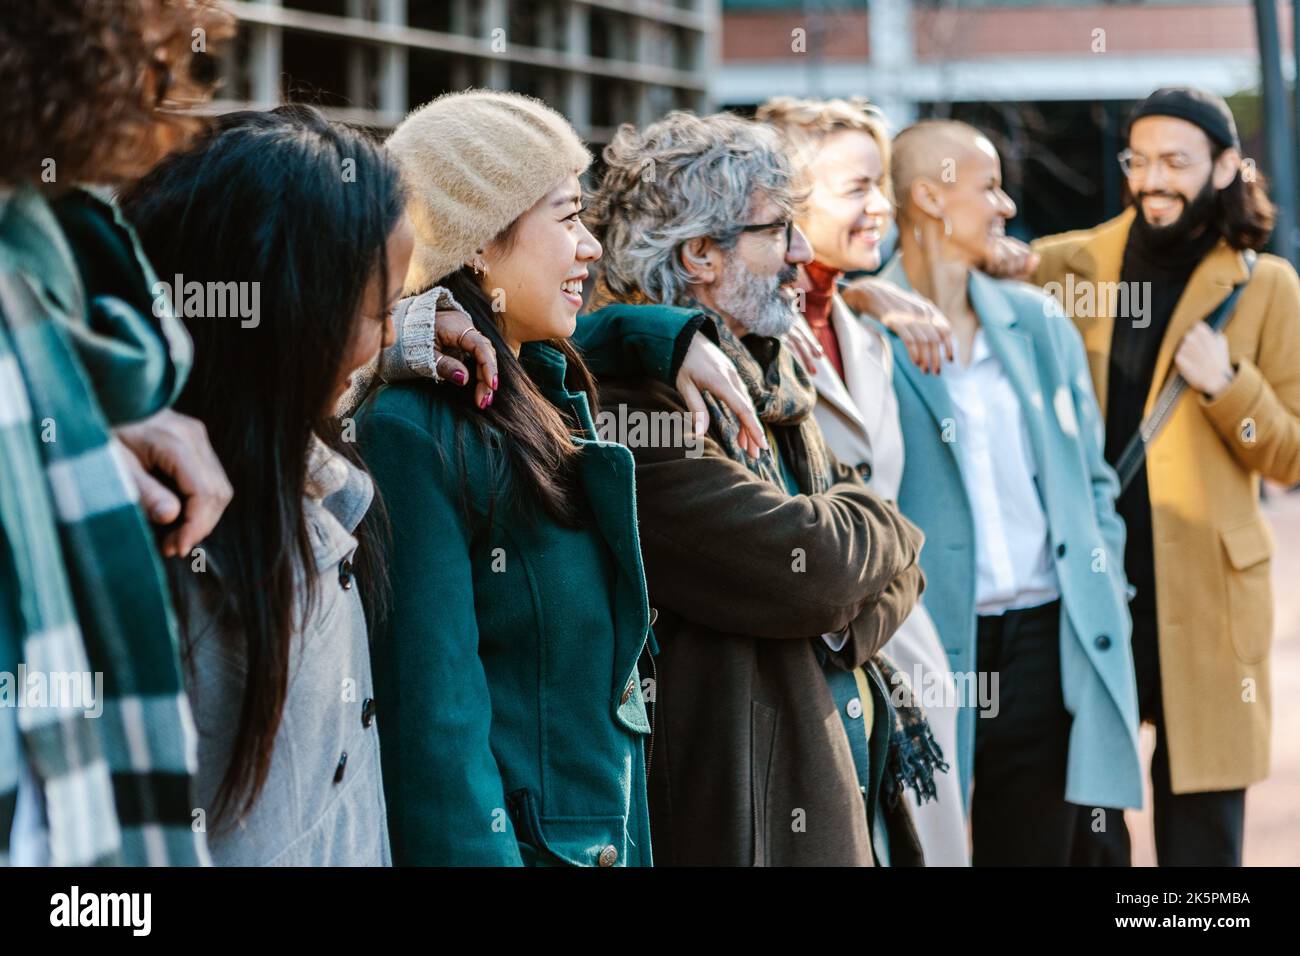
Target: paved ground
point(1272, 807)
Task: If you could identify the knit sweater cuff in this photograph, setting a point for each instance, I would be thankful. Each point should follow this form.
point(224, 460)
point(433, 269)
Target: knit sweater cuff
point(415, 353)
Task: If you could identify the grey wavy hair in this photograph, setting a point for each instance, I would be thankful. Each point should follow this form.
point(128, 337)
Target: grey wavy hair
point(683, 178)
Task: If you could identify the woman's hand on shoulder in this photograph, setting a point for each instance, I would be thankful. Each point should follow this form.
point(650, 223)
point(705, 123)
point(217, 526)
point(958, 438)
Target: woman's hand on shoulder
point(456, 335)
point(433, 323)
point(706, 368)
point(924, 331)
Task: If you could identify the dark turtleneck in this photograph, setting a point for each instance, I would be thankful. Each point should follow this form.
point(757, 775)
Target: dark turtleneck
point(819, 295)
point(1167, 267)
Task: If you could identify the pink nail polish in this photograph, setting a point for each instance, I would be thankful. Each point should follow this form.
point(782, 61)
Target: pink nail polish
point(494, 383)
point(487, 400)
point(459, 377)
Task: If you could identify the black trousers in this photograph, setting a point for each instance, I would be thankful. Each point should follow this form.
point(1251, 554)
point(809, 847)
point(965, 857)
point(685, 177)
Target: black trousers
point(1019, 816)
point(1191, 829)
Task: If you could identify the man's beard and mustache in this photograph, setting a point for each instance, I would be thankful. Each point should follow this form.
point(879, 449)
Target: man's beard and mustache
point(757, 302)
point(1195, 214)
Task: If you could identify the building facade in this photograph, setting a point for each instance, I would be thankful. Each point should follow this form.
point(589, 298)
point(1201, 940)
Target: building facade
point(1049, 80)
point(600, 62)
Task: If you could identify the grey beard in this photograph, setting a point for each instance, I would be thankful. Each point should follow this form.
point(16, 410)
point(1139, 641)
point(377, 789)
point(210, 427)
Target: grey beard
point(754, 301)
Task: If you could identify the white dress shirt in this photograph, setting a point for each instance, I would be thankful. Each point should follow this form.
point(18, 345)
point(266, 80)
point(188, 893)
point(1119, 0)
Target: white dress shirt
point(1013, 557)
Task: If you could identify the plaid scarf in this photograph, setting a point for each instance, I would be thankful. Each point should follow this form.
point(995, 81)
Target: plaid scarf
point(784, 395)
point(81, 589)
point(914, 754)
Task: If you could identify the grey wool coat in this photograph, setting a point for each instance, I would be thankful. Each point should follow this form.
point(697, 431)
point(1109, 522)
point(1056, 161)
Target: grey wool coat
point(323, 802)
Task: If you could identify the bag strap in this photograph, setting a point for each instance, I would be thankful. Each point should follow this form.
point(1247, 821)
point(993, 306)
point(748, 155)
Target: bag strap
point(1135, 452)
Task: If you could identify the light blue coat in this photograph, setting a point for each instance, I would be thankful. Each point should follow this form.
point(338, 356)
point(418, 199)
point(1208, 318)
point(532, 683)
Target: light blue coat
point(1044, 358)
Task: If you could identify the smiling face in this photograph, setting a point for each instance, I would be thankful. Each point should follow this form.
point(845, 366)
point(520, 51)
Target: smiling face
point(847, 212)
point(974, 204)
point(751, 283)
point(372, 327)
point(536, 271)
point(1173, 174)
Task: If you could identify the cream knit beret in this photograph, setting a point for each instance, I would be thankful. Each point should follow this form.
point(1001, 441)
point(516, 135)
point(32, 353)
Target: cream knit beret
point(473, 162)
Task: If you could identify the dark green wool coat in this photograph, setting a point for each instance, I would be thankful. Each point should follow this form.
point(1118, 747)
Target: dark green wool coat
point(513, 728)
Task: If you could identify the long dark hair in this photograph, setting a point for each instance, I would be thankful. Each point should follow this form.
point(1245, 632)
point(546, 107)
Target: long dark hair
point(1242, 210)
point(304, 208)
point(534, 460)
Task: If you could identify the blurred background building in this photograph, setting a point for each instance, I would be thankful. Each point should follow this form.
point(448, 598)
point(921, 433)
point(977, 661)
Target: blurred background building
point(1050, 80)
point(600, 62)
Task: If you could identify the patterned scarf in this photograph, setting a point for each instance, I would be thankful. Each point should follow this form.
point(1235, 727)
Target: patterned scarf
point(783, 395)
point(914, 754)
point(81, 588)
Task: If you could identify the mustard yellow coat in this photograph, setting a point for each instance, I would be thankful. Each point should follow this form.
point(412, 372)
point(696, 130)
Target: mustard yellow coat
point(1212, 545)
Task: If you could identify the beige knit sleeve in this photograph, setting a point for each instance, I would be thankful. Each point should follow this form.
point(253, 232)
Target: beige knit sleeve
point(415, 353)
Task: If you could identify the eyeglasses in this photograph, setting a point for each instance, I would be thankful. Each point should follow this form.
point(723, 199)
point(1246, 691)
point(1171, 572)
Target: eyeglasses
point(1134, 164)
point(785, 224)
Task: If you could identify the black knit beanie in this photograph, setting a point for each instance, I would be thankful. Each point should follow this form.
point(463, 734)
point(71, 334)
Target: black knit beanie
point(1206, 110)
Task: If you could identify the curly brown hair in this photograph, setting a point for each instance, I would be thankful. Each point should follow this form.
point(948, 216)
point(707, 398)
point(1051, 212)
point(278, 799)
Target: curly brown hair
point(94, 89)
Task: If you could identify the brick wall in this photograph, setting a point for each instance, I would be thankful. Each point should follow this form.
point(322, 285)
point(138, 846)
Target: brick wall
point(1001, 31)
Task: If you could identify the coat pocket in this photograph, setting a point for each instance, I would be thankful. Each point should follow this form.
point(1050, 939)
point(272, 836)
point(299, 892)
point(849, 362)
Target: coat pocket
point(572, 841)
point(762, 745)
point(1248, 548)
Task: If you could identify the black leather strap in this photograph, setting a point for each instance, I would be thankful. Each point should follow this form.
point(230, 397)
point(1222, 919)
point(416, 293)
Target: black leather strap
point(1135, 452)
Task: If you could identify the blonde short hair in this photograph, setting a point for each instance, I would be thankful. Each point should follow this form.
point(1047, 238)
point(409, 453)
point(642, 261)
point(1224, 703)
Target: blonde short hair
point(805, 123)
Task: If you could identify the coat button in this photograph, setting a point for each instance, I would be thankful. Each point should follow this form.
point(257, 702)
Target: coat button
point(854, 708)
point(345, 574)
point(627, 691)
point(654, 615)
point(368, 712)
point(338, 771)
point(1060, 550)
point(1102, 642)
point(608, 856)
